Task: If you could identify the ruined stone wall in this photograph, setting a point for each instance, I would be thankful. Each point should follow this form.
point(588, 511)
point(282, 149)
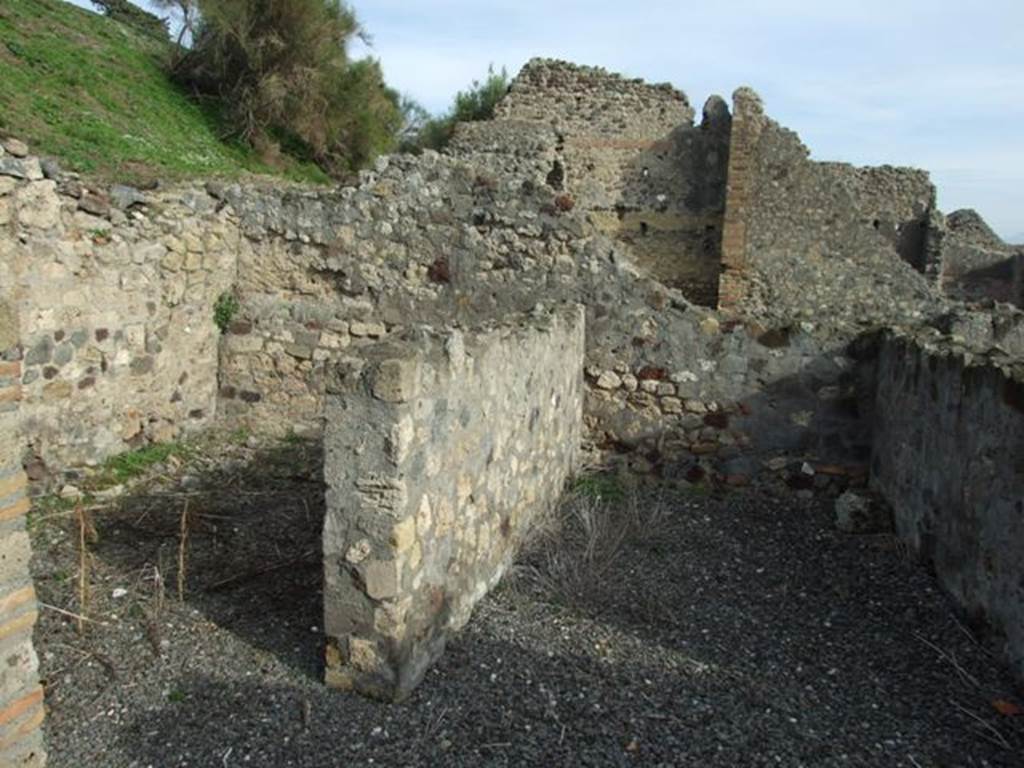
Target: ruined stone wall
point(802, 235)
point(421, 240)
point(628, 154)
point(441, 453)
point(975, 263)
point(116, 294)
point(948, 446)
point(21, 697)
point(439, 241)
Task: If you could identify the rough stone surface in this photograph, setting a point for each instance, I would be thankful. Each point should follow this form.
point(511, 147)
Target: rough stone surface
point(975, 263)
point(948, 442)
point(102, 304)
point(433, 482)
point(858, 513)
point(624, 152)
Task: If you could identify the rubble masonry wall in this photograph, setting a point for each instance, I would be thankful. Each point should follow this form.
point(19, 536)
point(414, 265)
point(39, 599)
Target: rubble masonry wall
point(442, 451)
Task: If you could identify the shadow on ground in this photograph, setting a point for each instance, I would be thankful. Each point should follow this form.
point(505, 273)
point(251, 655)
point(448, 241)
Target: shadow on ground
point(719, 629)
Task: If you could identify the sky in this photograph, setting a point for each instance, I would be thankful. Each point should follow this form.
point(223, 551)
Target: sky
point(931, 84)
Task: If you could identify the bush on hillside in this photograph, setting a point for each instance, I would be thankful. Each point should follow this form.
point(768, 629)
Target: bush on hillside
point(281, 70)
point(133, 16)
point(475, 103)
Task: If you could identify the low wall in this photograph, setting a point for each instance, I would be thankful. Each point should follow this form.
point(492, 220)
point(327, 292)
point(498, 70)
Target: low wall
point(21, 697)
point(441, 452)
point(948, 448)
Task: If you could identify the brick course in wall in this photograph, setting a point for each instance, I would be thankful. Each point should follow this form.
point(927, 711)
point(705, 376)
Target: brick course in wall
point(21, 696)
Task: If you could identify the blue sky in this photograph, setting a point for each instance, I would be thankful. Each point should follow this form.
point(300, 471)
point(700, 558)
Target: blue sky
point(933, 84)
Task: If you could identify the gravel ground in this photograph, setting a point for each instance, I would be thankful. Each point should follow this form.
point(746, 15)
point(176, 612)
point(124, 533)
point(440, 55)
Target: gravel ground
point(732, 630)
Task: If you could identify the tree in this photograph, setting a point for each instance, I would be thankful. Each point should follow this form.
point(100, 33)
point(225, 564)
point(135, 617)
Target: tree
point(131, 15)
point(281, 70)
point(475, 103)
point(188, 10)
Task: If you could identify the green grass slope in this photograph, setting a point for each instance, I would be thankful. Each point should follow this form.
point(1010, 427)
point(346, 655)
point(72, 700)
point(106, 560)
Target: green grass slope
point(92, 92)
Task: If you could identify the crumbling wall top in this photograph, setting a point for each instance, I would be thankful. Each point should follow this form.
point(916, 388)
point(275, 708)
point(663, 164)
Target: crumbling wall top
point(591, 100)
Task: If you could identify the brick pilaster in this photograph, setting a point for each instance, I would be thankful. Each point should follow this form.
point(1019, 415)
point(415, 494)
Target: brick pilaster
point(21, 696)
point(747, 123)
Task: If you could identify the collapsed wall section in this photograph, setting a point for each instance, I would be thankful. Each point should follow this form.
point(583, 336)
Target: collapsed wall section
point(947, 455)
point(116, 293)
point(21, 696)
point(441, 453)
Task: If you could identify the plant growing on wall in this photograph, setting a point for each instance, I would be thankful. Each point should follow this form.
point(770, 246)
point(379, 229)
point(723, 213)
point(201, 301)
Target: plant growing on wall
point(224, 310)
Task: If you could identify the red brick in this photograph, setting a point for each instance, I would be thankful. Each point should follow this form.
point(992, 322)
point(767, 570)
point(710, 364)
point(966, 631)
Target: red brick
point(9, 603)
point(13, 484)
point(23, 623)
point(10, 394)
point(25, 704)
point(15, 511)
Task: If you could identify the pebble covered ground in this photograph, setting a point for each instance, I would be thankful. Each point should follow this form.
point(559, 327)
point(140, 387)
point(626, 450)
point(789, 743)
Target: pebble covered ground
point(668, 626)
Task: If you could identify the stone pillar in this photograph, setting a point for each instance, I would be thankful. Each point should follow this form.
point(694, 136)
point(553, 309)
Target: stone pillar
point(21, 696)
point(747, 123)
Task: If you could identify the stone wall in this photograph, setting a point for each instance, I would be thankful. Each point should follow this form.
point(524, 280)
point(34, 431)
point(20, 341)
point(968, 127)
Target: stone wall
point(802, 236)
point(975, 263)
point(441, 452)
point(422, 240)
point(128, 353)
point(21, 696)
point(116, 292)
point(438, 240)
point(588, 189)
point(628, 154)
point(948, 448)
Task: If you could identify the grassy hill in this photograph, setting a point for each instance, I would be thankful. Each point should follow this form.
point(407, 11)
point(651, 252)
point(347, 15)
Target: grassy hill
point(92, 92)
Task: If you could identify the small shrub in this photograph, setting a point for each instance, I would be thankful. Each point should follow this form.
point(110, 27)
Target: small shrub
point(224, 310)
point(100, 236)
point(589, 539)
point(475, 103)
point(280, 70)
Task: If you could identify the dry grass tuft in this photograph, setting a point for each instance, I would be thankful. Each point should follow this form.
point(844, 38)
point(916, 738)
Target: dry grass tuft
point(574, 551)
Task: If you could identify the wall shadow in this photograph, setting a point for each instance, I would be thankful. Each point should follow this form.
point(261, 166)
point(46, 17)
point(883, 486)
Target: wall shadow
point(253, 559)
